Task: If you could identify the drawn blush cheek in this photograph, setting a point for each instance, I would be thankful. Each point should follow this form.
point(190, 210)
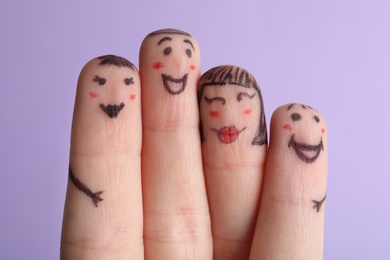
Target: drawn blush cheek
point(132, 96)
point(248, 111)
point(287, 127)
point(158, 65)
point(93, 94)
point(323, 130)
point(192, 67)
point(214, 113)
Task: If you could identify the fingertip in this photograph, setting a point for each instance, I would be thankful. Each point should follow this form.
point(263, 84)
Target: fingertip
point(301, 121)
point(107, 100)
point(170, 48)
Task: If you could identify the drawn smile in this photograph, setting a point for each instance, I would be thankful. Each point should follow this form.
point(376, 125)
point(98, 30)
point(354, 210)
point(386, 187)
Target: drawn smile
point(228, 134)
point(112, 110)
point(302, 150)
point(169, 82)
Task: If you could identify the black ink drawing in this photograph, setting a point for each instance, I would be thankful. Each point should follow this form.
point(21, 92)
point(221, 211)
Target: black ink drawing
point(170, 82)
point(95, 196)
point(169, 31)
point(113, 110)
point(317, 204)
point(232, 76)
point(302, 150)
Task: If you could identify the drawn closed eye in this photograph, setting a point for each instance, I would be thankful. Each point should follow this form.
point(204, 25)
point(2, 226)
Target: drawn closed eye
point(128, 81)
point(101, 81)
point(244, 94)
point(211, 100)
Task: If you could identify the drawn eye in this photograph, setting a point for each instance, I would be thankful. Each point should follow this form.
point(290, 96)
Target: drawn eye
point(296, 117)
point(167, 50)
point(128, 81)
point(317, 119)
point(211, 100)
point(101, 81)
point(189, 53)
point(244, 94)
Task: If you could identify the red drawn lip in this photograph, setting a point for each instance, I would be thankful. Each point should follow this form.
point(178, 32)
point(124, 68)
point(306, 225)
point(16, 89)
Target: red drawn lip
point(228, 134)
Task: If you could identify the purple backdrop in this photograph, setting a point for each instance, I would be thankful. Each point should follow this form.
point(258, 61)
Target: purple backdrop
point(333, 55)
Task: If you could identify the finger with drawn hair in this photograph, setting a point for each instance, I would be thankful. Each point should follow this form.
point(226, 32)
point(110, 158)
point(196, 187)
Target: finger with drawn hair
point(234, 146)
point(103, 208)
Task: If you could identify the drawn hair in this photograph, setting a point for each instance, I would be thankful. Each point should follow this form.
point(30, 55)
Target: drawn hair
point(168, 31)
point(108, 60)
point(233, 75)
point(303, 106)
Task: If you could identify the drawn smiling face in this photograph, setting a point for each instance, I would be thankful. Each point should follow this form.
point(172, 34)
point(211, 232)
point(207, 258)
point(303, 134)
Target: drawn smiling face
point(175, 57)
point(231, 110)
point(301, 114)
point(110, 84)
point(231, 106)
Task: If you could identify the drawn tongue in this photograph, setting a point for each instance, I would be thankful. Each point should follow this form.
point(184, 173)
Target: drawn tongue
point(229, 134)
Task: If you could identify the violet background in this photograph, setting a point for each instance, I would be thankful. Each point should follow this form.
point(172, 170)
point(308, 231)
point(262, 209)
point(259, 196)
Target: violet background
point(333, 55)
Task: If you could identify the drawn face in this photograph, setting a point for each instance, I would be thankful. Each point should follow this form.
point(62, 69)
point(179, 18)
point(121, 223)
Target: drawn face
point(305, 116)
point(230, 113)
point(175, 58)
point(111, 87)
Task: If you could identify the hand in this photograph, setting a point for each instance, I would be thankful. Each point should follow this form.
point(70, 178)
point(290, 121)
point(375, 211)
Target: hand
point(159, 185)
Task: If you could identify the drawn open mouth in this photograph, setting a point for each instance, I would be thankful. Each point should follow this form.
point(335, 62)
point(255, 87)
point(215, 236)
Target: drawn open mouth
point(306, 152)
point(172, 83)
point(112, 110)
point(228, 134)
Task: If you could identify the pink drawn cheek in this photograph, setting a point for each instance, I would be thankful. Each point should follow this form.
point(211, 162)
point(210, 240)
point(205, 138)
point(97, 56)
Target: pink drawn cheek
point(132, 97)
point(287, 127)
point(214, 113)
point(158, 65)
point(248, 111)
point(323, 130)
point(93, 94)
point(192, 67)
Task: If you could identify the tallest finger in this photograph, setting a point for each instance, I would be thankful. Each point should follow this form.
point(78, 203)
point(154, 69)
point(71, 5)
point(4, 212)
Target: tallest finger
point(177, 221)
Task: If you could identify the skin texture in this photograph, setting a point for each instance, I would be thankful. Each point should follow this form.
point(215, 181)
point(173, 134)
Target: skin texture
point(185, 170)
point(105, 156)
point(176, 214)
point(288, 227)
point(230, 104)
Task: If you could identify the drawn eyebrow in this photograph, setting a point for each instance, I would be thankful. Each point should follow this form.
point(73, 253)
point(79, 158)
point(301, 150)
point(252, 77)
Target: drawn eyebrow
point(240, 94)
point(164, 39)
point(189, 42)
point(211, 100)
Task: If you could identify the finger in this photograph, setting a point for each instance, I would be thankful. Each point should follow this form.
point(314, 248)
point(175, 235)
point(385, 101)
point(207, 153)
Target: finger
point(234, 150)
point(177, 220)
point(103, 209)
point(291, 217)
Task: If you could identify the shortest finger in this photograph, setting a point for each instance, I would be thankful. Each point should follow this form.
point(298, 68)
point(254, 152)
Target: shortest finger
point(290, 224)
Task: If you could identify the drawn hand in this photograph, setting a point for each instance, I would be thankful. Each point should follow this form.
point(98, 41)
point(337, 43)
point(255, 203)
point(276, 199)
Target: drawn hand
point(175, 188)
